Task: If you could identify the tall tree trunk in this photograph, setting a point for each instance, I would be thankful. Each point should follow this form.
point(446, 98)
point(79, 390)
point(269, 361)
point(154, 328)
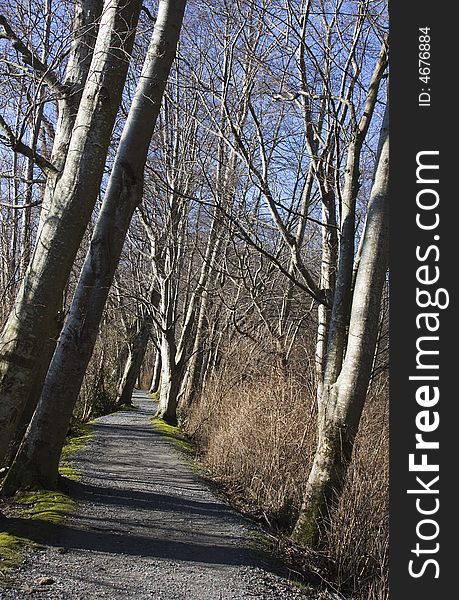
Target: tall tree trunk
point(170, 380)
point(84, 35)
point(327, 283)
point(38, 458)
point(344, 398)
point(156, 377)
point(35, 392)
point(134, 361)
point(193, 373)
point(171, 375)
point(342, 298)
point(73, 192)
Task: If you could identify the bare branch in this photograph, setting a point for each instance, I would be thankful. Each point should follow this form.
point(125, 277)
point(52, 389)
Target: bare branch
point(8, 138)
point(30, 59)
point(373, 89)
point(19, 206)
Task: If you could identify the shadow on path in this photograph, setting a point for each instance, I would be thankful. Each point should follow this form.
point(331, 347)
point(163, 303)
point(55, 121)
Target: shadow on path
point(101, 540)
point(142, 511)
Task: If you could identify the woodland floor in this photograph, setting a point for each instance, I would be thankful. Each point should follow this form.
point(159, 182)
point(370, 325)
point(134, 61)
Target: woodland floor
point(146, 526)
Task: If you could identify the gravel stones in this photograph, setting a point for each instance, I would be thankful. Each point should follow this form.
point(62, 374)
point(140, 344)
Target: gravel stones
point(146, 527)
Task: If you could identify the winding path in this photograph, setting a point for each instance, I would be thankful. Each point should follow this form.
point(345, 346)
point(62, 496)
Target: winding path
point(146, 527)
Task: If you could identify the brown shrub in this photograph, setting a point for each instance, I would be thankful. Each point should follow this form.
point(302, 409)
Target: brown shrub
point(255, 430)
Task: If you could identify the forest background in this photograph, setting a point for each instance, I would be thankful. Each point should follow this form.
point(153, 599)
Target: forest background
point(249, 212)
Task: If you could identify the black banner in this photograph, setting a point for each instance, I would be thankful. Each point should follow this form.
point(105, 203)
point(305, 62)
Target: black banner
point(424, 324)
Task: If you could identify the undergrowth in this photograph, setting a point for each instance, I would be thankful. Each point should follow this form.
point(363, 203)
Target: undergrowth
point(41, 506)
point(44, 505)
point(255, 432)
point(127, 406)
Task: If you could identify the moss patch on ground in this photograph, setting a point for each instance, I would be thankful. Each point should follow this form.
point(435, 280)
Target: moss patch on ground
point(51, 506)
point(174, 435)
point(30, 509)
point(42, 506)
point(127, 406)
point(11, 549)
point(78, 438)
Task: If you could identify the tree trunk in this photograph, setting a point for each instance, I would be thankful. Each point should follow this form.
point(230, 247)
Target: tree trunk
point(193, 373)
point(34, 397)
point(38, 458)
point(156, 377)
point(342, 298)
point(84, 37)
point(170, 380)
point(134, 363)
point(64, 220)
point(327, 283)
point(85, 28)
point(343, 401)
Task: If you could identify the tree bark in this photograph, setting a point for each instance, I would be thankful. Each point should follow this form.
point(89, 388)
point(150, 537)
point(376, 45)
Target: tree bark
point(37, 461)
point(343, 401)
point(340, 313)
point(34, 394)
point(192, 377)
point(170, 380)
point(327, 283)
point(156, 377)
point(171, 365)
point(64, 220)
point(84, 37)
point(85, 28)
point(134, 361)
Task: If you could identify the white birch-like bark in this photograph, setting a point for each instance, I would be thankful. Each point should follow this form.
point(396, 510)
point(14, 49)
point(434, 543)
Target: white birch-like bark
point(327, 283)
point(85, 28)
point(134, 361)
point(35, 315)
point(339, 417)
point(171, 364)
point(170, 380)
point(340, 313)
point(156, 377)
point(38, 458)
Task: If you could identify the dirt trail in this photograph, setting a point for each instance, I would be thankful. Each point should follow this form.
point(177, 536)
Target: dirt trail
point(146, 527)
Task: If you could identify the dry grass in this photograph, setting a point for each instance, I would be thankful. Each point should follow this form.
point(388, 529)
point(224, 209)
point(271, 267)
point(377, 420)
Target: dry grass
point(255, 432)
point(358, 539)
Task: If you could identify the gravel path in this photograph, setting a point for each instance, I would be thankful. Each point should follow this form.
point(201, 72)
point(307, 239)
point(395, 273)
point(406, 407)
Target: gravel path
point(146, 527)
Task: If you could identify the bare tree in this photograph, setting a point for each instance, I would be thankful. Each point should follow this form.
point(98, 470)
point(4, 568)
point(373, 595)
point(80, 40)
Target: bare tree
point(336, 106)
point(344, 396)
point(38, 457)
point(74, 176)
